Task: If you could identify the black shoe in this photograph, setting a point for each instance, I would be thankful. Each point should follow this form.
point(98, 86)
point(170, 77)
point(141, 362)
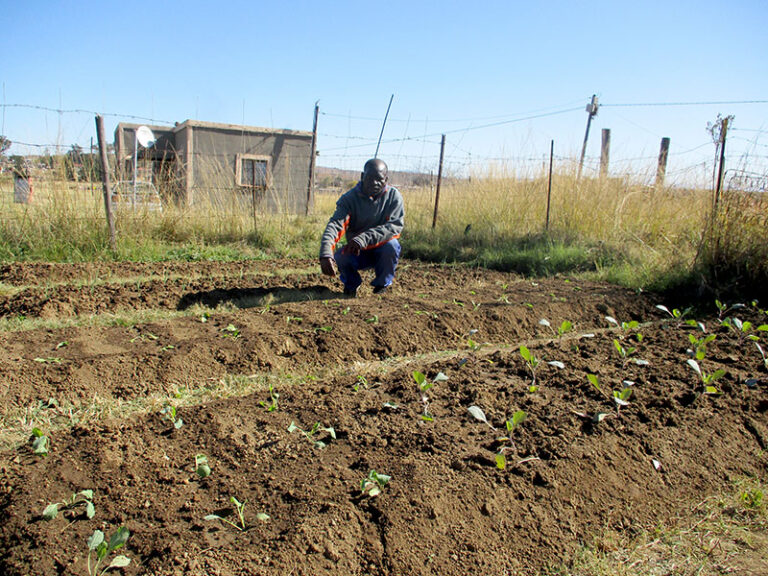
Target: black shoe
point(350, 292)
point(380, 289)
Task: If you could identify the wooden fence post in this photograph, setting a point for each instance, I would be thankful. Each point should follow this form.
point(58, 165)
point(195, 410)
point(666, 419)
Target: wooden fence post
point(592, 112)
point(313, 154)
point(661, 169)
point(105, 181)
point(549, 186)
point(721, 167)
point(439, 180)
point(605, 152)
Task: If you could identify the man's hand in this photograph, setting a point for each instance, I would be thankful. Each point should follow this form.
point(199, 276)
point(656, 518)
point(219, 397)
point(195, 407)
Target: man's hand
point(352, 248)
point(328, 266)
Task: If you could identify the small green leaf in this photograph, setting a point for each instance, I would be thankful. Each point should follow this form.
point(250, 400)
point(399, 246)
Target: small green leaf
point(90, 510)
point(51, 511)
point(419, 377)
point(119, 538)
point(440, 377)
point(119, 562)
point(593, 380)
point(525, 353)
point(95, 540)
point(518, 417)
point(501, 461)
point(262, 516)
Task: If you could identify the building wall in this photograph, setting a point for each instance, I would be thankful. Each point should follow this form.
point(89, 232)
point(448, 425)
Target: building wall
point(215, 156)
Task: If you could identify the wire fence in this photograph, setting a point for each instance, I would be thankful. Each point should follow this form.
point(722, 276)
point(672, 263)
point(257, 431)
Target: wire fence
point(515, 145)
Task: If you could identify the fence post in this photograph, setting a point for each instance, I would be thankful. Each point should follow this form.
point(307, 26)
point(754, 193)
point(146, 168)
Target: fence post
point(721, 167)
point(605, 151)
point(105, 181)
point(439, 180)
point(592, 112)
point(312, 153)
point(549, 185)
point(661, 170)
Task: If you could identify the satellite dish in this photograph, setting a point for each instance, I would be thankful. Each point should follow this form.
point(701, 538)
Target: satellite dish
point(145, 137)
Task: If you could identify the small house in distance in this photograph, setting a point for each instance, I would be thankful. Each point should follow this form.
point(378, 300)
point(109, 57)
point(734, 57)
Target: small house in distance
point(221, 163)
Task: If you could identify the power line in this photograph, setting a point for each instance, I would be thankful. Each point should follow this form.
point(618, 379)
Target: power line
point(710, 103)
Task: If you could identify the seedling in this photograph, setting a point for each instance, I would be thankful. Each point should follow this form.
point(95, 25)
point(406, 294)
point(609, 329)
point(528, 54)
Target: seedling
point(202, 468)
point(625, 326)
point(373, 319)
point(48, 360)
point(231, 331)
point(324, 329)
point(593, 379)
point(142, 336)
point(97, 544)
point(477, 413)
point(532, 362)
point(707, 380)
point(517, 419)
point(621, 397)
point(362, 382)
point(39, 442)
point(723, 308)
point(80, 498)
point(240, 510)
point(62, 344)
point(564, 327)
point(296, 319)
point(675, 313)
point(169, 413)
point(309, 435)
point(425, 384)
point(373, 484)
point(699, 350)
point(273, 397)
point(624, 352)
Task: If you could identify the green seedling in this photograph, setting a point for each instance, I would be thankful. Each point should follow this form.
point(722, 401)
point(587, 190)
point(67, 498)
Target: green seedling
point(675, 313)
point(273, 397)
point(699, 350)
point(477, 413)
point(97, 544)
point(324, 329)
point(621, 397)
point(231, 331)
point(39, 442)
point(517, 418)
point(563, 329)
point(425, 384)
point(707, 379)
point(373, 319)
point(62, 344)
point(202, 468)
point(240, 511)
point(625, 326)
point(743, 329)
point(48, 360)
point(204, 317)
point(296, 319)
point(624, 352)
point(723, 308)
point(532, 363)
point(373, 484)
point(169, 413)
point(141, 337)
point(84, 497)
point(595, 382)
point(309, 434)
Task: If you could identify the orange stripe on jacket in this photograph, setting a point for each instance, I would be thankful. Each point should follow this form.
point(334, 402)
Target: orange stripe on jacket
point(341, 233)
point(381, 243)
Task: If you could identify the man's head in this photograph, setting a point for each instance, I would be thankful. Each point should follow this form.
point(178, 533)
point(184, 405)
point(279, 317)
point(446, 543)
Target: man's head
point(373, 177)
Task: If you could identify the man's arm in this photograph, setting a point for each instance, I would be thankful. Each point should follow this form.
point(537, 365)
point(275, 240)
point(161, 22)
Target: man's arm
point(390, 229)
point(335, 229)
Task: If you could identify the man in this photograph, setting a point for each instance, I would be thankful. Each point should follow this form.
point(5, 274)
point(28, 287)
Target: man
point(372, 216)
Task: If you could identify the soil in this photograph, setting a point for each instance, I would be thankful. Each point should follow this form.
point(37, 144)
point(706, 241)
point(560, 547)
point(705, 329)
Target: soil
point(114, 339)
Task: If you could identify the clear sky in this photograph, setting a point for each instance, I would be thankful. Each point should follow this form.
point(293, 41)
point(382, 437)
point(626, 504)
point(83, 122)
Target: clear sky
point(501, 78)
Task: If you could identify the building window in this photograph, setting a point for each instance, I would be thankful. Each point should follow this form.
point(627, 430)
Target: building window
point(253, 171)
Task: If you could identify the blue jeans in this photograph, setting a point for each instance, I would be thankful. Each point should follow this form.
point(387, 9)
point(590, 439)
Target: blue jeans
point(383, 259)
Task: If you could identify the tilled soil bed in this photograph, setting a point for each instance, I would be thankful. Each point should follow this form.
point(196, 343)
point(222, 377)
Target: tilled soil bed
point(94, 355)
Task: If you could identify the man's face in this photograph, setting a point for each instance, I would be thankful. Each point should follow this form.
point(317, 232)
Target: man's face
point(374, 178)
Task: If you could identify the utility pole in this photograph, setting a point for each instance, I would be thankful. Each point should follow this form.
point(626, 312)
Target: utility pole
point(592, 112)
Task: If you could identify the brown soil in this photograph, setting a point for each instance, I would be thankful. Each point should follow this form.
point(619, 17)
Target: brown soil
point(348, 364)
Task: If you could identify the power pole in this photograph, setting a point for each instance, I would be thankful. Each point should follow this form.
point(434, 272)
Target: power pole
point(592, 112)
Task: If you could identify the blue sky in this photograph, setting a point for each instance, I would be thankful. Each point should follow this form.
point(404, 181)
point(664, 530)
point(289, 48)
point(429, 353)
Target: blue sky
point(528, 69)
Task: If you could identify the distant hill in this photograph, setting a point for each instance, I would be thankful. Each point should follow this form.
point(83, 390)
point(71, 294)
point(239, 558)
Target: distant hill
point(335, 178)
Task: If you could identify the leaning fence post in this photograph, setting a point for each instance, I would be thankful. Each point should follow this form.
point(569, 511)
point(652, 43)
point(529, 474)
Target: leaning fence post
point(439, 180)
point(661, 170)
point(549, 185)
point(105, 181)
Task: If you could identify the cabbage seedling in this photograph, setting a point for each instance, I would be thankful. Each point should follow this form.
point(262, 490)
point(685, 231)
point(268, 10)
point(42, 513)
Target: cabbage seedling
point(309, 435)
point(707, 380)
point(532, 362)
point(372, 484)
point(477, 413)
point(82, 497)
point(517, 419)
point(102, 548)
point(202, 468)
point(240, 510)
point(231, 331)
point(273, 396)
point(39, 442)
point(425, 384)
point(169, 413)
point(762, 354)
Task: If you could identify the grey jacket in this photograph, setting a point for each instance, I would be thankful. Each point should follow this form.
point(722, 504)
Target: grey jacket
point(368, 222)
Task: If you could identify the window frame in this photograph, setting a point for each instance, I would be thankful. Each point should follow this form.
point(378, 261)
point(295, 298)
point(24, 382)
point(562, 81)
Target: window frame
point(257, 158)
